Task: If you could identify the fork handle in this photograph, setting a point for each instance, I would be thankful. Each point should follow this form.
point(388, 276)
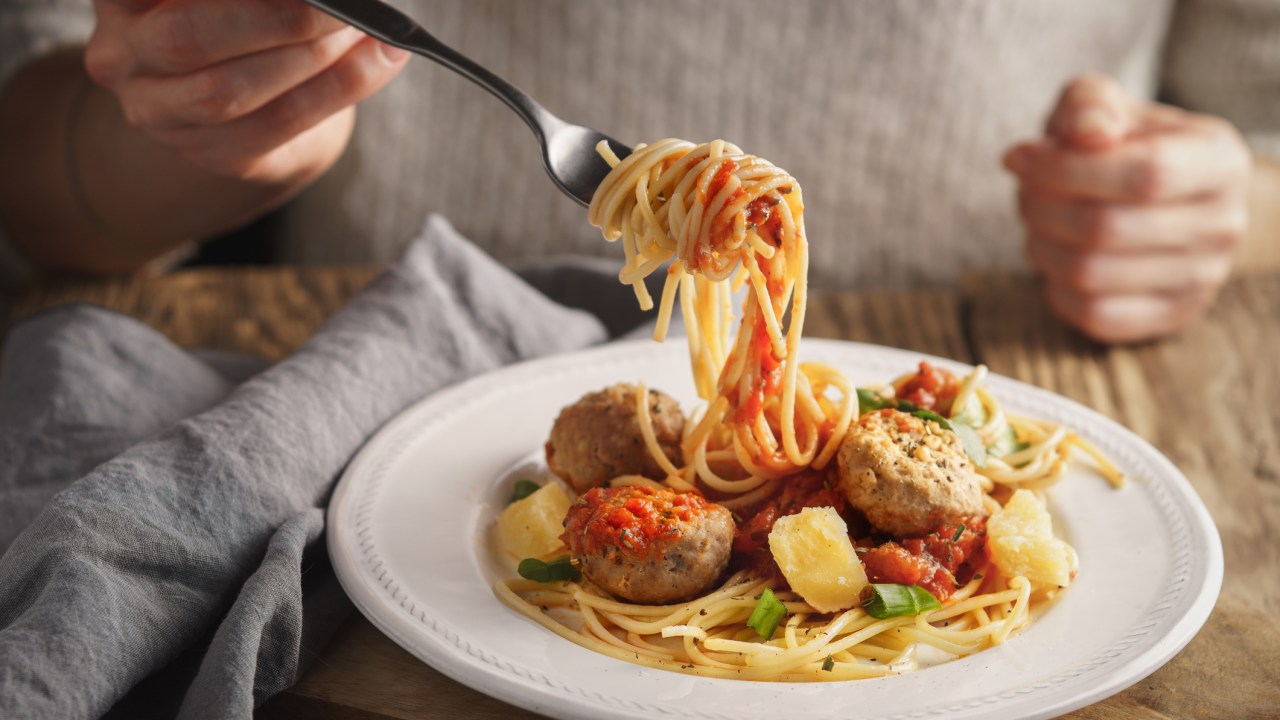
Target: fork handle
point(393, 27)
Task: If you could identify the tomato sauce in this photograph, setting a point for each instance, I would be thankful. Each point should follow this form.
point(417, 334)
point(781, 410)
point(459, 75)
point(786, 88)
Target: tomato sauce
point(930, 388)
point(637, 520)
point(770, 377)
point(939, 562)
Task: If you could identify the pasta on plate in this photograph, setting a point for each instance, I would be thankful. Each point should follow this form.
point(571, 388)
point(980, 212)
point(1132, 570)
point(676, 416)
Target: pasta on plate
point(791, 527)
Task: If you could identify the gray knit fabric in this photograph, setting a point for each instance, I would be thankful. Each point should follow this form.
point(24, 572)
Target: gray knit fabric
point(892, 114)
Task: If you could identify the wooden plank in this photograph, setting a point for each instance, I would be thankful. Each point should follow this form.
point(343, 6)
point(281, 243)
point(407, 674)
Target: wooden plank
point(927, 322)
point(262, 311)
point(1209, 399)
point(364, 671)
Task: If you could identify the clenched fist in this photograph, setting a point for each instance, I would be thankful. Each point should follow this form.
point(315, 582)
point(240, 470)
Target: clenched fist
point(1133, 210)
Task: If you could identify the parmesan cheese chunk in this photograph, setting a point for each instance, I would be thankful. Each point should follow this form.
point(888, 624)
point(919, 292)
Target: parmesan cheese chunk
point(531, 527)
point(1021, 542)
point(813, 550)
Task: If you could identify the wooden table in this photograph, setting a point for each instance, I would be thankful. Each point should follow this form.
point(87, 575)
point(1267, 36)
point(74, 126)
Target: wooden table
point(1209, 399)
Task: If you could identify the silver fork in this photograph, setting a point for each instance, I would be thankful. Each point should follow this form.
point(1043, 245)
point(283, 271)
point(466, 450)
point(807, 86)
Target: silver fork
point(568, 150)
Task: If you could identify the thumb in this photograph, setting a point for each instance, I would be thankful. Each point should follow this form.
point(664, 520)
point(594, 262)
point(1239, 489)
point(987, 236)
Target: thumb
point(1092, 112)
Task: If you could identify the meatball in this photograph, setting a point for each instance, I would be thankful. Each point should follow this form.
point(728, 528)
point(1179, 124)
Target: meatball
point(907, 474)
point(598, 438)
point(648, 545)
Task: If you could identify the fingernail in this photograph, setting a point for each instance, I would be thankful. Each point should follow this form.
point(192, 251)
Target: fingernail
point(1098, 122)
point(393, 55)
point(1017, 160)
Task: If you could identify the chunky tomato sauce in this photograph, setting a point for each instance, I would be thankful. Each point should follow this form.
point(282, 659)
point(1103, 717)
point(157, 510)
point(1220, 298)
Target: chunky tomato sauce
point(770, 377)
point(938, 562)
point(930, 388)
point(629, 519)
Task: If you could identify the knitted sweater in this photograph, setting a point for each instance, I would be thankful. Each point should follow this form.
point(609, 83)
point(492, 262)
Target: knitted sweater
point(892, 114)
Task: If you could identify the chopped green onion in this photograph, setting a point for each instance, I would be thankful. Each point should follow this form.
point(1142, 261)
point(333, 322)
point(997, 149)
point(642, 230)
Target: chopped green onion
point(869, 400)
point(890, 600)
point(828, 664)
point(768, 613)
point(959, 532)
point(559, 569)
point(931, 415)
point(973, 446)
point(523, 489)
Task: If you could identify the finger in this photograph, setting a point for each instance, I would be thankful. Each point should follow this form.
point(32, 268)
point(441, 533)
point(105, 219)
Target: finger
point(1126, 318)
point(182, 36)
point(362, 71)
point(1092, 112)
point(1192, 160)
point(1212, 222)
point(231, 89)
point(1099, 273)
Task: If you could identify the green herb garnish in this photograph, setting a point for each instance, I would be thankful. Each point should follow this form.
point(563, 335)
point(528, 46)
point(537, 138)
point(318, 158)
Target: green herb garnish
point(828, 664)
point(888, 600)
point(768, 613)
point(1007, 444)
point(959, 532)
point(869, 400)
point(523, 489)
point(559, 569)
point(973, 446)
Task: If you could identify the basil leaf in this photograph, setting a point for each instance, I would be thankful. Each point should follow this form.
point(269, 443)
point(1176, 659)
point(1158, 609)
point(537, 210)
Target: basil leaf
point(828, 664)
point(959, 532)
point(559, 569)
point(972, 444)
point(888, 600)
point(768, 613)
point(523, 489)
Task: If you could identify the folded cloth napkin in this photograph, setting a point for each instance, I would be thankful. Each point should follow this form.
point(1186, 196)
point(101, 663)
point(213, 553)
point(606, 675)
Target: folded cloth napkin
point(161, 521)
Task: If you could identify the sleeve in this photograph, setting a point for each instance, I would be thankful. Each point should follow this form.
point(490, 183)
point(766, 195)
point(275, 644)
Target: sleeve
point(1222, 57)
point(29, 29)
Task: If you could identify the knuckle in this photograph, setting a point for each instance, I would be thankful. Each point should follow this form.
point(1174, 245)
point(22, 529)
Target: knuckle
point(213, 98)
point(1101, 227)
point(1081, 275)
point(174, 36)
point(104, 60)
point(298, 21)
point(1148, 178)
point(1210, 274)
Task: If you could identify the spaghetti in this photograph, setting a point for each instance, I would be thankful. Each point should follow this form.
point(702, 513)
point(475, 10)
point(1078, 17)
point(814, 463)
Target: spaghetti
point(721, 221)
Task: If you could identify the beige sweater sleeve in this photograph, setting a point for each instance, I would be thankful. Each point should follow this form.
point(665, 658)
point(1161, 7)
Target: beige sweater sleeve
point(1222, 57)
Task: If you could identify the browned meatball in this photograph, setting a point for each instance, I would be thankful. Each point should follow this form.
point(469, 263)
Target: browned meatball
point(907, 474)
point(598, 438)
point(648, 545)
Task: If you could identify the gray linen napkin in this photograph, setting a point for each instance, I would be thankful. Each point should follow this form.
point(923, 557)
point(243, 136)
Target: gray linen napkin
point(163, 521)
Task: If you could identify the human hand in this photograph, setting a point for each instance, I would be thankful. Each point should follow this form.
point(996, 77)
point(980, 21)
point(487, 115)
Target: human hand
point(258, 90)
point(1133, 210)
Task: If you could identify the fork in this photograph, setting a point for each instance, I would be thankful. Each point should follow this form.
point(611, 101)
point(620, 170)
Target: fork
point(568, 150)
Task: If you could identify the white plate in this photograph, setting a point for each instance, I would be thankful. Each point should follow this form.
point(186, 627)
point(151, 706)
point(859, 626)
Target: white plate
point(409, 522)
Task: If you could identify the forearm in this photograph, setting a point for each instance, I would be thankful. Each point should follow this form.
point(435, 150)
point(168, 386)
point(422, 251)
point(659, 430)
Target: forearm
point(1261, 247)
point(83, 191)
